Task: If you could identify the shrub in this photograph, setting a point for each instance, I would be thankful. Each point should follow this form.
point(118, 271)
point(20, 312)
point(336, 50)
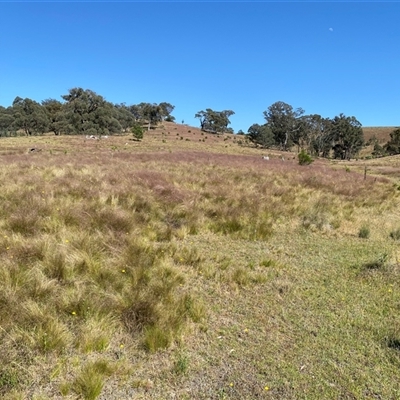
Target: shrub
point(137, 131)
point(304, 158)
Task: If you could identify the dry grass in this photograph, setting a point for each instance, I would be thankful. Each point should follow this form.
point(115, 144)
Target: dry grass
point(380, 132)
point(195, 270)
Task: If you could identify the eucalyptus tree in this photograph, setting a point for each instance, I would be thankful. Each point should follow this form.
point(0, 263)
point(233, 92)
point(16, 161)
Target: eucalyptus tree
point(29, 116)
point(55, 111)
point(166, 110)
point(124, 116)
point(284, 123)
point(6, 121)
point(393, 145)
point(88, 113)
point(318, 137)
point(348, 135)
point(214, 121)
point(261, 135)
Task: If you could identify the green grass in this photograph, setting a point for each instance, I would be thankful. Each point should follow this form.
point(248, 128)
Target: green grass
point(191, 270)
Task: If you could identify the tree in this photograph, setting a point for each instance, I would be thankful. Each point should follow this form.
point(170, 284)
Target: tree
point(89, 113)
point(284, 122)
point(348, 136)
point(261, 135)
point(6, 121)
point(29, 116)
point(136, 111)
point(56, 115)
point(318, 137)
point(148, 113)
point(169, 118)
point(166, 110)
point(124, 116)
point(392, 147)
point(203, 117)
point(105, 121)
point(214, 121)
point(152, 113)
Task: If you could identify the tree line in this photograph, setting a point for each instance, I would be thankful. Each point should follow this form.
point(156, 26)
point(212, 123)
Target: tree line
point(286, 127)
point(85, 112)
point(81, 112)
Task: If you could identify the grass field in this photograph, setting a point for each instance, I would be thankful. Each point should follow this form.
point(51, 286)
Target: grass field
point(187, 267)
point(382, 134)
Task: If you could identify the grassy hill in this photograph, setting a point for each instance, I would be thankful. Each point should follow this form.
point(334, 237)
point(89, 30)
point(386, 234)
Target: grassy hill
point(186, 266)
point(382, 133)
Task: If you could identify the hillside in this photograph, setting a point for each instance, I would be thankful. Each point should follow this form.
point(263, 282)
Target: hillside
point(382, 133)
point(186, 266)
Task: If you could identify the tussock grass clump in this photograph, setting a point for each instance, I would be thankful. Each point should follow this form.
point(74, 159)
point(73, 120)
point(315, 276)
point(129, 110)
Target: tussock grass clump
point(378, 263)
point(364, 232)
point(187, 255)
point(96, 334)
point(90, 381)
point(157, 308)
point(181, 364)
point(156, 338)
point(395, 234)
point(393, 342)
point(10, 378)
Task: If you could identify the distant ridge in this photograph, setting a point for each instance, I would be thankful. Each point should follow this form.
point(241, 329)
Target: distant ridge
point(382, 133)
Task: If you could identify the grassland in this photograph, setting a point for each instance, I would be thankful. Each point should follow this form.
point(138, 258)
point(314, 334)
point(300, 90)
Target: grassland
point(382, 134)
point(186, 266)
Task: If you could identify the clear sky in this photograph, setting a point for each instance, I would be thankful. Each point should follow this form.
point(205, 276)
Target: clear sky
point(325, 57)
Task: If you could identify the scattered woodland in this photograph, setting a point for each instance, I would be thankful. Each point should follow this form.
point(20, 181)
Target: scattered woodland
point(169, 261)
point(84, 112)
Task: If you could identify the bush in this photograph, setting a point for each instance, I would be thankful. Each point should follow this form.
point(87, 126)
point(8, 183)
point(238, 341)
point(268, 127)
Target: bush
point(304, 158)
point(137, 131)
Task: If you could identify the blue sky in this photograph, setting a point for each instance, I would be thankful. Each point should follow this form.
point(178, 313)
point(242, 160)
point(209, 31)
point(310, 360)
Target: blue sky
point(325, 57)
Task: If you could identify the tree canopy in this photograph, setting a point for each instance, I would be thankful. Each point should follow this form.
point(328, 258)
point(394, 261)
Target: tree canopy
point(284, 123)
point(261, 135)
point(348, 136)
point(81, 111)
point(29, 116)
point(214, 121)
point(393, 146)
point(285, 127)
